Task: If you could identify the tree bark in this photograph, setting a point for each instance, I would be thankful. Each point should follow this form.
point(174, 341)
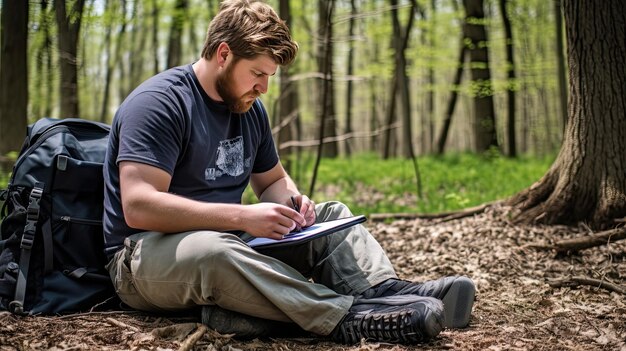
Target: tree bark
point(68, 27)
point(13, 75)
point(484, 114)
point(587, 182)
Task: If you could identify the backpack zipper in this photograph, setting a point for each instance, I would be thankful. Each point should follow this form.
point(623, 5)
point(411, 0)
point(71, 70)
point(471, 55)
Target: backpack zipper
point(69, 219)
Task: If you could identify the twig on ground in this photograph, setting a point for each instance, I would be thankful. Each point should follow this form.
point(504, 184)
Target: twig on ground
point(121, 324)
point(442, 216)
point(193, 338)
point(575, 281)
point(72, 315)
point(583, 242)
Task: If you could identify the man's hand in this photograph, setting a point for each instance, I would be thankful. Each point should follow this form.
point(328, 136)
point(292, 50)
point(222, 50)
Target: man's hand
point(307, 209)
point(271, 220)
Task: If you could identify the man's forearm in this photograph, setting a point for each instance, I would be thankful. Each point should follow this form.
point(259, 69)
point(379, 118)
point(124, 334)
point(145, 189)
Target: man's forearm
point(280, 191)
point(170, 213)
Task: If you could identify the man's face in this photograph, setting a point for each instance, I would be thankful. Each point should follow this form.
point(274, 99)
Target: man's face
point(242, 81)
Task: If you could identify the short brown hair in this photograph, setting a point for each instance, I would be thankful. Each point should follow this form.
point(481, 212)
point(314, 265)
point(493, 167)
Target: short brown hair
point(250, 28)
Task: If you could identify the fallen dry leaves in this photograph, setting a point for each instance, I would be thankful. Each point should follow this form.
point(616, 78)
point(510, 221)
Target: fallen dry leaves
point(516, 308)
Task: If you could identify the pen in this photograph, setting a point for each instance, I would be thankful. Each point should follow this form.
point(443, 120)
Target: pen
point(297, 208)
point(295, 204)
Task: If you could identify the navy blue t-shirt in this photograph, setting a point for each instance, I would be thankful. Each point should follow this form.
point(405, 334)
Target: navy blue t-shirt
point(171, 123)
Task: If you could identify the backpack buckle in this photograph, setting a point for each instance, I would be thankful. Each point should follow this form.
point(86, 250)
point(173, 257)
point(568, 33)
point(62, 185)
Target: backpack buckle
point(32, 216)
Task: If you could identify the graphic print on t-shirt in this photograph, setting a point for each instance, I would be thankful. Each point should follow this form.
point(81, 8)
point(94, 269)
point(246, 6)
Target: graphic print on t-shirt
point(229, 159)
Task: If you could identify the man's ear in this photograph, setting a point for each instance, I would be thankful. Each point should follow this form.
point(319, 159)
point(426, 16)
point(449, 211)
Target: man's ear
point(223, 50)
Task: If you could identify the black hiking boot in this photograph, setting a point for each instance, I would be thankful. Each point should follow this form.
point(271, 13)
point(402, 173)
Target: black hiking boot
point(405, 319)
point(456, 292)
point(246, 327)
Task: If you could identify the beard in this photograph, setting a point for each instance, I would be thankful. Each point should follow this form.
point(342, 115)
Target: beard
point(224, 86)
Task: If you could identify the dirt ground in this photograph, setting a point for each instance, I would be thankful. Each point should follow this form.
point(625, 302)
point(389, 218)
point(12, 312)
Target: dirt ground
point(516, 308)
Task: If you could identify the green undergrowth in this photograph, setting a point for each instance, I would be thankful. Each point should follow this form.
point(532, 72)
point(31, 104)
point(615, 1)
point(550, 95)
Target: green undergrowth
point(368, 184)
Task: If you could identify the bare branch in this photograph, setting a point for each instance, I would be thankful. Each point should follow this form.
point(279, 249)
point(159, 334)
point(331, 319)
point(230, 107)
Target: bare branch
point(576, 281)
point(342, 137)
point(585, 242)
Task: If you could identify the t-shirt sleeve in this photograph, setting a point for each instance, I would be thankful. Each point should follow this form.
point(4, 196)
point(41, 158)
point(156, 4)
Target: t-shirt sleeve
point(151, 131)
point(266, 157)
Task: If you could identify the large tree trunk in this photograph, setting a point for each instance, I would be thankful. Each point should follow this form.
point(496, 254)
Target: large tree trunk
point(587, 182)
point(484, 114)
point(13, 75)
point(68, 25)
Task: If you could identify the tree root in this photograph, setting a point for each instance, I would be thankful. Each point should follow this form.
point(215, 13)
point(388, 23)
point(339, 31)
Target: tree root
point(576, 281)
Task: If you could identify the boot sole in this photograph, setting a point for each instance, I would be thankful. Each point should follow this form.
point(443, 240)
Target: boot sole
point(458, 303)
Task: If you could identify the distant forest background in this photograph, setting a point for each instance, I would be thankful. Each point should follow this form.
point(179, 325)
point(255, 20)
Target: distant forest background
point(399, 78)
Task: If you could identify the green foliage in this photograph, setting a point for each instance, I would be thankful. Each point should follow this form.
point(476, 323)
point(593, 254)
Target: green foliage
point(371, 185)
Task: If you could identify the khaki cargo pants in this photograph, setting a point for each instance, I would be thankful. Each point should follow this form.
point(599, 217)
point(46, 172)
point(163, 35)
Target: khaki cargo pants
point(311, 284)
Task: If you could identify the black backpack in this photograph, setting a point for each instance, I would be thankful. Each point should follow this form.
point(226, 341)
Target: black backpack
point(51, 241)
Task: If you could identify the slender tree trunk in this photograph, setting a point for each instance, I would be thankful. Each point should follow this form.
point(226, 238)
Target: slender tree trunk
point(484, 114)
point(68, 27)
point(350, 69)
point(560, 61)
point(510, 58)
point(43, 62)
point(400, 84)
point(447, 121)
point(120, 63)
point(587, 182)
point(155, 36)
point(174, 52)
point(328, 119)
point(13, 75)
point(288, 101)
point(428, 126)
point(109, 11)
point(326, 7)
point(138, 39)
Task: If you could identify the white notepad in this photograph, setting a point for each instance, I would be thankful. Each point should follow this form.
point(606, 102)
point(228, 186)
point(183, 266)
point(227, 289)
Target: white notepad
point(315, 231)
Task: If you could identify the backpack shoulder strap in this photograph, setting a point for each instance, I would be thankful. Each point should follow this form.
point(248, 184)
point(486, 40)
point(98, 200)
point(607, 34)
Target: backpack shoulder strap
point(26, 245)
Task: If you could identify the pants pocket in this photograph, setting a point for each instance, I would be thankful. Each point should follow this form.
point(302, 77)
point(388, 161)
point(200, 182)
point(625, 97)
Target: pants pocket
point(122, 277)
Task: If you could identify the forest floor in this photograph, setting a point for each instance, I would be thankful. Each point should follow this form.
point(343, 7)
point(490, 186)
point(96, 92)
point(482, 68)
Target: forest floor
point(516, 306)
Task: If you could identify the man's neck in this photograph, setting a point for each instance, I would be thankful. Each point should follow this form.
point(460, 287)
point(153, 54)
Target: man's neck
point(207, 74)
